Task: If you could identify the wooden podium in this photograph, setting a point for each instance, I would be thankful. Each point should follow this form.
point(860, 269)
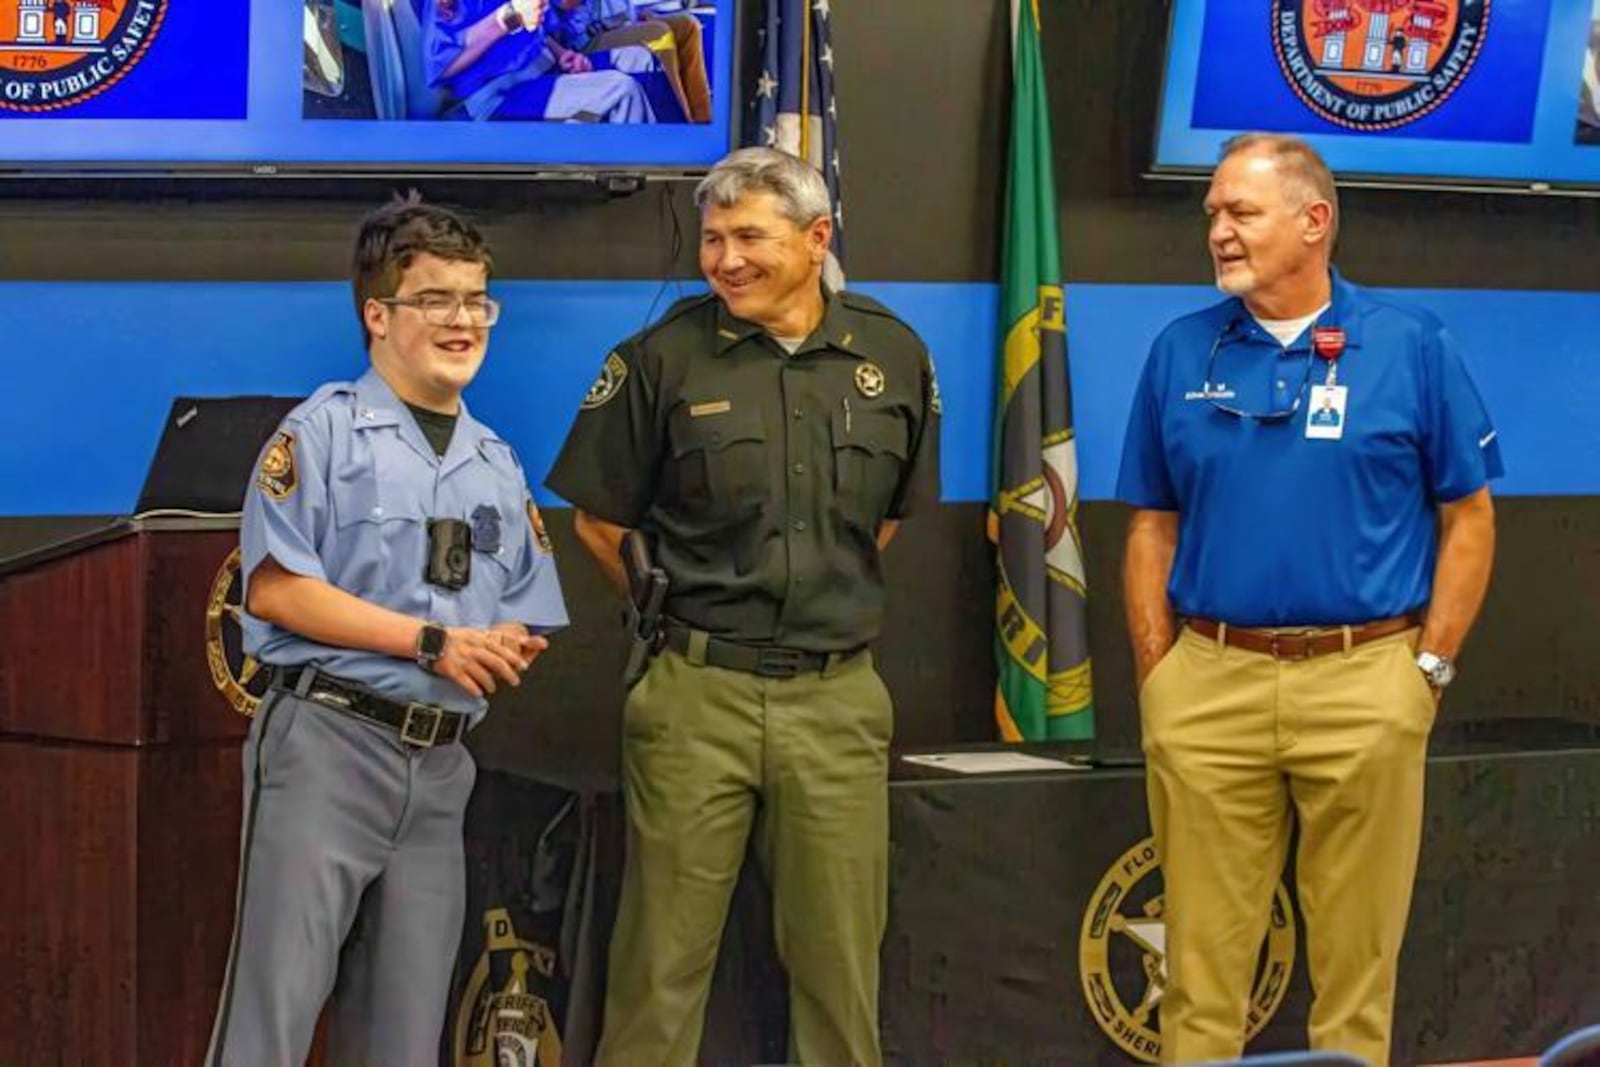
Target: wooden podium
point(120, 783)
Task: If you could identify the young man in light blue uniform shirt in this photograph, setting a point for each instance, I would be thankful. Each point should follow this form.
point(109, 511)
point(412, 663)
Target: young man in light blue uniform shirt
point(396, 574)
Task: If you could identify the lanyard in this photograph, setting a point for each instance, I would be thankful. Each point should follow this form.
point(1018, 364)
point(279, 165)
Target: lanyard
point(1328, 343)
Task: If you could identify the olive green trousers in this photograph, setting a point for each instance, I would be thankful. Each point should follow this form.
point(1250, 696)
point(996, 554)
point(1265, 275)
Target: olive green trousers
point(708, 756)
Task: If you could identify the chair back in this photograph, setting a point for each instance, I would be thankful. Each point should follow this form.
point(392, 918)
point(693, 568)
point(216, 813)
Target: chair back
point(400, 87)
point(1581, 1048)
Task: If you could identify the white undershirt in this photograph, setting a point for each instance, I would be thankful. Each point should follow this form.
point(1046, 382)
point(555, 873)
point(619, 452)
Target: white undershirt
point(790, 345)
point(1286, 330)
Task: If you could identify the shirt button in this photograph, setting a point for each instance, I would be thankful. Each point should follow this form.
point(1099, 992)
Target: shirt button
point(377, 512)
point(1280, 383)
point(799, 413)
point(799, 468)
point(799, 525)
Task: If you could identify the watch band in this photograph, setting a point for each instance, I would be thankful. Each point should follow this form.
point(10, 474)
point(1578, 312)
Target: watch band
point(1439, 671)
point(431, 638)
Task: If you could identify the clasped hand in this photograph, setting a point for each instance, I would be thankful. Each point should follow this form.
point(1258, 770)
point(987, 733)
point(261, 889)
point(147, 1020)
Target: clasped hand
point(479, 661)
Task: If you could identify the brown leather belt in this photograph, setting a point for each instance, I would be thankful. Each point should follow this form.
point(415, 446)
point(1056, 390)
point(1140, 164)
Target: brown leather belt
point(1303, 642)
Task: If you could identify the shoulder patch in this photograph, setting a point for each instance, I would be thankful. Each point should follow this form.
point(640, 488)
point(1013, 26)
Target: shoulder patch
point(536, 520)
point(277, 475)
point(612, 375)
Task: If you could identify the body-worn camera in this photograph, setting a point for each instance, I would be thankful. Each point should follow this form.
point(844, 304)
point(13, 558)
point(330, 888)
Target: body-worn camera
point(449, 553)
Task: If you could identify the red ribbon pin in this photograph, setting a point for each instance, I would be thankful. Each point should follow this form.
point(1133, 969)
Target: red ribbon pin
point(1328, 342)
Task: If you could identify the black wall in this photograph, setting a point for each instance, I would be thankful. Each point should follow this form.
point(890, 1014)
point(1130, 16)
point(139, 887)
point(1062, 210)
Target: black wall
point(923, 90)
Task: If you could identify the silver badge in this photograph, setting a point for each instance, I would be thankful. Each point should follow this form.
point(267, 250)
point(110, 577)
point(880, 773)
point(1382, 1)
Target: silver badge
point(869, 380)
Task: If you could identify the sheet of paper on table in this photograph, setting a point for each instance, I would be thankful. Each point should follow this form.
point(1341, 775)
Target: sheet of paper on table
point(994, 762)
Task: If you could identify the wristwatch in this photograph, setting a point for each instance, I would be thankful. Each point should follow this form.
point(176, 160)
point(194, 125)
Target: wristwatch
point(430, 645)
point(510, 19)
point(1439, 671)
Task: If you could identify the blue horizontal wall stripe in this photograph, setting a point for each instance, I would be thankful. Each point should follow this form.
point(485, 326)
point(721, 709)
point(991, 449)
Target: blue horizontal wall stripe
point(92, 367)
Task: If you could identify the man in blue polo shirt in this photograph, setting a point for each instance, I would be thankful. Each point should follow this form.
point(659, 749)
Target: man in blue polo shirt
point(1298, 585)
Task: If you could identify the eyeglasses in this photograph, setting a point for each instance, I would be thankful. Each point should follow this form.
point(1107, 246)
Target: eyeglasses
point(442, 309)
point(1272, 415)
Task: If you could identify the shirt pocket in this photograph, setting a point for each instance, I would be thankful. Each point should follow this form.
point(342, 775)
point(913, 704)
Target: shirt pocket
point(720, 463)
point(380, 547)
point(869, 458)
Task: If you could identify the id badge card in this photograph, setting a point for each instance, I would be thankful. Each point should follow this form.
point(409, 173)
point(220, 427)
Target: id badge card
point(1325, 419)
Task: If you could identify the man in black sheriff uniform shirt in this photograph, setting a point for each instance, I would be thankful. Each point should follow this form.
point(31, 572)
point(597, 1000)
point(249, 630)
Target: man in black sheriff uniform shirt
point(768, 438)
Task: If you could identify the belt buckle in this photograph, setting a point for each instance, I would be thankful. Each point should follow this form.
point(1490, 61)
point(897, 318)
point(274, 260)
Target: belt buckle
point(421, 737)
point(1305, 650)
point(779, 662)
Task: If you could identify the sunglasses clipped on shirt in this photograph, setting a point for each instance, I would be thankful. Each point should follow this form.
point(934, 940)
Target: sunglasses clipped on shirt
point(1275, 414)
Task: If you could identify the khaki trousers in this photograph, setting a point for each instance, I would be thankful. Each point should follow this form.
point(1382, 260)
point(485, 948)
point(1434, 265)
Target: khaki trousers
point(679, 46)
point(1235, 741)
point(708, 756)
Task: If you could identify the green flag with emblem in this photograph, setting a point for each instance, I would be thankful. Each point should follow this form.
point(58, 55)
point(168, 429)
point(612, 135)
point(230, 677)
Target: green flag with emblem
point(1041, 639)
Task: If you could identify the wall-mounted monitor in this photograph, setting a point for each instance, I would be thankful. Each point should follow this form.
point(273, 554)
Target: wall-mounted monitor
point(1495, 93)
point(400, 86)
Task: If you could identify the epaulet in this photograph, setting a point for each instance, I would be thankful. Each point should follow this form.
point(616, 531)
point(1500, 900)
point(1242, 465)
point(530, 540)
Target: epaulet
point(859, 304)
point(325, 393)
point(678, 309)
point(863, 303)
point(493, 440)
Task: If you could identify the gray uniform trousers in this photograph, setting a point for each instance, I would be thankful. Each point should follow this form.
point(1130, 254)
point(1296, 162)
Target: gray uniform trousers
point(351, 843)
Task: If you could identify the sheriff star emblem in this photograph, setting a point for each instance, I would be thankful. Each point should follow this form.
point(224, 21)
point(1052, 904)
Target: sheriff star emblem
point(869, 380)
point(1122, 955)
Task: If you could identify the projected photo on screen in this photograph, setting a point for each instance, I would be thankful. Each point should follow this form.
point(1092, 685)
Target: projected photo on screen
point(616, 62)
point(1589, 85)
point(584, 88)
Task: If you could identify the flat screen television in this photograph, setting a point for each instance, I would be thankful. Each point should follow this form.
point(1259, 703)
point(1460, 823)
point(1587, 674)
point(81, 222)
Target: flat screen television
point(390, 86)
point(1483, 93)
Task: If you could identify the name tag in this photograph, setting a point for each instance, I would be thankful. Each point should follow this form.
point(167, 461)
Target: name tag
point(1325, 419)
point(711, 407)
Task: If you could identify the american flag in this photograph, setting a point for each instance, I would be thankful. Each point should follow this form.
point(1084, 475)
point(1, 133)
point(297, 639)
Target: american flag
point(795, 109)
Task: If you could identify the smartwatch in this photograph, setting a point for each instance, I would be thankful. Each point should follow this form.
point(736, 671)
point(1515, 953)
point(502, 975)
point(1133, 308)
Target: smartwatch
point(430, 645)
point(1439, 671)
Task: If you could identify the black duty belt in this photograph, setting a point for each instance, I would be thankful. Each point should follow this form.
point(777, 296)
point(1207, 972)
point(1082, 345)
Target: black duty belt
point(767, 661)
point(419, 725)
